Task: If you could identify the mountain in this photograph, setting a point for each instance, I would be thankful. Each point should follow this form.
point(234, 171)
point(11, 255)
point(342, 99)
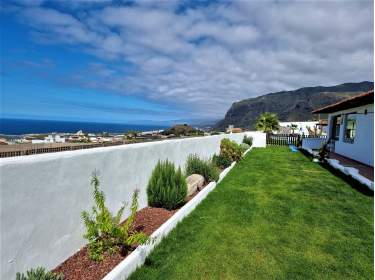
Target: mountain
point(294, 105)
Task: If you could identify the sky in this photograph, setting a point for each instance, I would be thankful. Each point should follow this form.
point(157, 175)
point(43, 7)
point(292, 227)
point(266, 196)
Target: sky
point(165, 61)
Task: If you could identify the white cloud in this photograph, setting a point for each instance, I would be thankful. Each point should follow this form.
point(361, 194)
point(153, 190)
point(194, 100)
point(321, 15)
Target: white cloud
point(208, 56)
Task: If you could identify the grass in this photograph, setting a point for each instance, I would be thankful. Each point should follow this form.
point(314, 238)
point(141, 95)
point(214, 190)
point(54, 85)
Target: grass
point(276, 215)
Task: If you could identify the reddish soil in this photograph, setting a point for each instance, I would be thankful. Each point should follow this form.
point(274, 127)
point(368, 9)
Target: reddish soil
point(80, 266)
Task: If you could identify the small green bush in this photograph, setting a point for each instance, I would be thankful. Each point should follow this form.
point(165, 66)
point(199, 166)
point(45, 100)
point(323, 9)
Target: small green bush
point(244, 147)
point(39, 273)
point(167, 187)
point(206, 168)
point(231, 150)
point(221, 161)
point(104, 231)
point(248, 140)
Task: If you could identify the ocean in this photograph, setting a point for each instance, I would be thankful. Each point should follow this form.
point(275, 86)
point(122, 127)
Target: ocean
point(24, 126)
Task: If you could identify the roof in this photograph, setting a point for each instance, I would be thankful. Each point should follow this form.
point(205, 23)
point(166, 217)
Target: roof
point(352, 102)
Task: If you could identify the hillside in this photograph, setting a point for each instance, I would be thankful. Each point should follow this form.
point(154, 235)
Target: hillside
point(295, 105)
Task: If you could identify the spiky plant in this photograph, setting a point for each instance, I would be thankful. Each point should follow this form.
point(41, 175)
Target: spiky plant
point(104, 232)
point(221, 161)
point(127, 237)
point(167, 186)
point(39, 273)
point(206, 168)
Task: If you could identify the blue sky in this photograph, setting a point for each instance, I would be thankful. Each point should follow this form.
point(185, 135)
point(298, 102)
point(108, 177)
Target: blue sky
point(33, 85)
point(147, 61)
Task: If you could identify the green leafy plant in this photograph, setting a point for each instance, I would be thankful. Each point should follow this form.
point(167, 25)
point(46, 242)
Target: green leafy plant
point(267, 122)
point(221, 161)
point(39, 273)
point(167, 186)
point(206, 168)
point(104, 231)
point(244, 147)
point(231, 150)
point(248, 140)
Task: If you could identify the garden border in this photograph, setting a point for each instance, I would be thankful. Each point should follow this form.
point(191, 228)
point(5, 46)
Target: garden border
point(352, 172)
point(126, 267)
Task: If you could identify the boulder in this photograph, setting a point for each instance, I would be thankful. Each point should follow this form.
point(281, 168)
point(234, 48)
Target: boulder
point(194, 182)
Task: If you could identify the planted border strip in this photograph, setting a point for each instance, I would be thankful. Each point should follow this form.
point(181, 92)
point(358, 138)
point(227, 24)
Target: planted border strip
point(137, 258)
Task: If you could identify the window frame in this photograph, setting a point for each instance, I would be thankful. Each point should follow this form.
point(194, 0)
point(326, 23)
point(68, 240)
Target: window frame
point(336, 126)
point(350, 140)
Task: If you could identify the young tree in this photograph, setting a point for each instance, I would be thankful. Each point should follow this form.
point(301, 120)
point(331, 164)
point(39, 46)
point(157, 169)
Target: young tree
point(293, 127)
point(267, 122)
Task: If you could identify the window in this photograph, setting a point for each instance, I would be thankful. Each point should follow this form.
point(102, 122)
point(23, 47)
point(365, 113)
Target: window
point(336, 127)
point(350, 128)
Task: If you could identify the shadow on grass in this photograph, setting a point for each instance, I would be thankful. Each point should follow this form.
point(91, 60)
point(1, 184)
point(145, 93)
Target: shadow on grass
point(348, 179)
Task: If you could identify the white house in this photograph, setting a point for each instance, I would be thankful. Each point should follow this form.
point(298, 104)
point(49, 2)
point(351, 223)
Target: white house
point(54, 138)
point(301, 127)
point(351, 127)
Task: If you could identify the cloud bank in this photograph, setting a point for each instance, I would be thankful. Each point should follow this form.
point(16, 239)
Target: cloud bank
point(205, 56)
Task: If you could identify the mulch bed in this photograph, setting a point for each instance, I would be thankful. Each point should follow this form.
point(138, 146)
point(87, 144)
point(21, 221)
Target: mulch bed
point(80, 266)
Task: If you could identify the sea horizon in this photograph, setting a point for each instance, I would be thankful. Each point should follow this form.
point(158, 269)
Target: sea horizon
point(10, 126)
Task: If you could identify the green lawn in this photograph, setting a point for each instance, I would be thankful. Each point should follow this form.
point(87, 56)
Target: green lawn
point(276, 215)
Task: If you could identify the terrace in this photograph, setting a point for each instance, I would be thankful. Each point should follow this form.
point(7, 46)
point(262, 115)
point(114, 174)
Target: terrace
point(363, 169)
point(277, 215)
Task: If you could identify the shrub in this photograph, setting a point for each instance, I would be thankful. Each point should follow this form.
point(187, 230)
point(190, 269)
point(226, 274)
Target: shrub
point(230, 149)
point(248, 140)
point(221, 161)
point(39, 273)
point(167, 187)
point(206, 168)
point(104, 231)
point(244, 147)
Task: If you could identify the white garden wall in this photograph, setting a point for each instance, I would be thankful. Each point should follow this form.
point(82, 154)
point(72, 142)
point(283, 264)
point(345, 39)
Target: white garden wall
point(42, 196)
point(259, 138)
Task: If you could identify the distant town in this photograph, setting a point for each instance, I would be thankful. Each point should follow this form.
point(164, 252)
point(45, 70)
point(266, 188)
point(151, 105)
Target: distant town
point(28, 144)
point(17, 145)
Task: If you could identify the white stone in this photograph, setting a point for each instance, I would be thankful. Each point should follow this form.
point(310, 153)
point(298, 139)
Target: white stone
point(194, 182)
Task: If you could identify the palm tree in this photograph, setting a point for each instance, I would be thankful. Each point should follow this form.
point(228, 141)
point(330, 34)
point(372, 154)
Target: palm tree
point(267, 122)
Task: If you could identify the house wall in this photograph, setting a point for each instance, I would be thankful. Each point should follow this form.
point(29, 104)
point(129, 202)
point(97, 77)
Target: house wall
point(362, 149)
point(313, 143)
point(42, 195)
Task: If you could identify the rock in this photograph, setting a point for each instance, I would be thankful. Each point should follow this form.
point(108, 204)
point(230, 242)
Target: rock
point(194, 182)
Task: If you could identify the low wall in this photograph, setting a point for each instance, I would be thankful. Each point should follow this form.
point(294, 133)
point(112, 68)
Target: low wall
point(312, 143)
point(42, 196)
point(259, 138)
